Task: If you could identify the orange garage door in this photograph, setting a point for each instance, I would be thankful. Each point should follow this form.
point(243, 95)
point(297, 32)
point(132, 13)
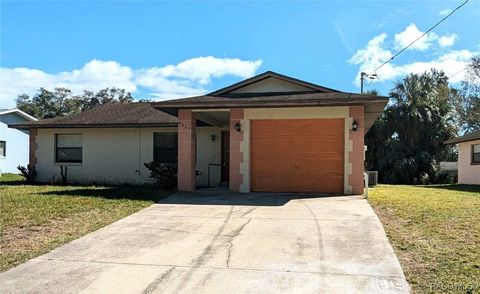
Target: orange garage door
point(297, 155)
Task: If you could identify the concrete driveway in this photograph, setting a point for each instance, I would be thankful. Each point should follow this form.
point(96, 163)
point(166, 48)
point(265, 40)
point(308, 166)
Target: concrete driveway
point(211, 242)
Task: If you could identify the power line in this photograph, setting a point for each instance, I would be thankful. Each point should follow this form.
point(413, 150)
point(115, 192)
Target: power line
point(426, 32)
point(458, 72)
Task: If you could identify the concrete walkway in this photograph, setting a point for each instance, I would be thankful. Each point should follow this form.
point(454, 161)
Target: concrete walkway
point(224, 243)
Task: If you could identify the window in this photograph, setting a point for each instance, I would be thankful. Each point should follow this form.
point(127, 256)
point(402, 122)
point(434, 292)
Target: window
point(476, 154)
point(68, 148)
point(165, 147)
point(3, 148)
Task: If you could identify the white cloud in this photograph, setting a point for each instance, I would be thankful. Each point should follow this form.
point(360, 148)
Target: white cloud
point(187, 78)
point(445, 12)
point(447, 41)
point(411, 33)
point(379, 50)
point(203, 69)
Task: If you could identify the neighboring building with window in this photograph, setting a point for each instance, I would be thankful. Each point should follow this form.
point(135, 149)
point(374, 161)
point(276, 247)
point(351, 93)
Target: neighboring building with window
point(13, 143)
point(468, 158)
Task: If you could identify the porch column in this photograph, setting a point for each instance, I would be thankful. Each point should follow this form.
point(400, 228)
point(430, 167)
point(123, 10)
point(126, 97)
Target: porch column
point(186, 150)
point(236, 154)
point(356, 156)
point(33, 146)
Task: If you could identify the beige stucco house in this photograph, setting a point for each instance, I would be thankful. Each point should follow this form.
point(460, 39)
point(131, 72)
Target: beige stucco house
point(468, 158)
point(267, 133)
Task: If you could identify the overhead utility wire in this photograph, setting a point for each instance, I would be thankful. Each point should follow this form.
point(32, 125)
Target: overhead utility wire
point(460, 71)
point(426, 32)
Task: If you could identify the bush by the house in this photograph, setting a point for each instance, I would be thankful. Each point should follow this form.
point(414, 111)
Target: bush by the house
point(28, 173)
point(164, 174)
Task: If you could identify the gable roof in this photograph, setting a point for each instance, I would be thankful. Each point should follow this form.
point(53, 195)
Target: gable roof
point(229, 96)
point(111, 115)
point(270, 74)
point(465, 138)
point(18, 112)
point(315, 95)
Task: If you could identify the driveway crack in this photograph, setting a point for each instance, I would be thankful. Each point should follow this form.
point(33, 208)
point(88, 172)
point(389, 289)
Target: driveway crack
point(230, 241)
point(248, 211)
point(321, 253)
point(153, 285)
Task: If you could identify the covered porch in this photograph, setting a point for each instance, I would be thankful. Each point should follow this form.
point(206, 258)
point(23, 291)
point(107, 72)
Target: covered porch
point(209, 148)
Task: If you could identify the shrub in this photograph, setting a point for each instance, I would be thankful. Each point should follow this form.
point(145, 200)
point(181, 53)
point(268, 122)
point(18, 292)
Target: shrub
point(164, 174)
point(28, 173)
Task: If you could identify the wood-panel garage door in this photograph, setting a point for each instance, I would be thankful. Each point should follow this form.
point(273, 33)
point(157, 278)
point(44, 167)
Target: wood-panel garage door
point(297, 155)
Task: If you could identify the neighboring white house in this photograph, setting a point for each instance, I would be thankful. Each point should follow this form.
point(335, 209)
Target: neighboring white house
point(13, 142)
point(468, 158)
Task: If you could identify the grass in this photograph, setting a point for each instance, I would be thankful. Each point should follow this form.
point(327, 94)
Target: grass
point(35, 219)
point(435, 232)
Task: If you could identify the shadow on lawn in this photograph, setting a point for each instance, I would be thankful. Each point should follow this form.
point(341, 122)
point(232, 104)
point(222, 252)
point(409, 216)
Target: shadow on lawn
point(12, 179)
point(456, 187)
point(13, 183)
point(112, 192)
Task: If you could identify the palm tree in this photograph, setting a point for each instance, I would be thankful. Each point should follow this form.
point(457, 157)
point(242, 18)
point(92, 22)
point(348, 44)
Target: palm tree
point(406, 143)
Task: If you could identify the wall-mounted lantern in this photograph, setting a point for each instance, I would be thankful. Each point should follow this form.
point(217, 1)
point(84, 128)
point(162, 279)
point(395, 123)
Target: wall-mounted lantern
point(354, 126)
point(212, 136)
point(238, 126)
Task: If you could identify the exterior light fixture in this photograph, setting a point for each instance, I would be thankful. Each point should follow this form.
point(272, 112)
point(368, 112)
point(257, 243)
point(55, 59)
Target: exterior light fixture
point(212, 136)
point(238, 126)
point(354, 126)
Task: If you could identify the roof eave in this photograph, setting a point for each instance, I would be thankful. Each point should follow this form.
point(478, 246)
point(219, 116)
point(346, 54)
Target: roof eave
point(263, 104)
point(20, 113)
point(87, 126)
point(459, 140)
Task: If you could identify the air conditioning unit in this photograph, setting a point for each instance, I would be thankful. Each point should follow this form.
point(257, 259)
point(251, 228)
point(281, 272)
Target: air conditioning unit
point(372, 178)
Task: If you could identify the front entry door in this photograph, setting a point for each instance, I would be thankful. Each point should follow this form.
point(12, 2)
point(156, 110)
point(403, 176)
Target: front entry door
point(225, 170)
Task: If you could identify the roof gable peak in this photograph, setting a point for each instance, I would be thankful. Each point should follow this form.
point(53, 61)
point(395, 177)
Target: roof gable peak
point(271, 82)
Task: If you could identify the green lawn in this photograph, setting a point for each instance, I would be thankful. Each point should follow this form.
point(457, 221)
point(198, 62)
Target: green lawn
point(36, 219)
point(435, 231)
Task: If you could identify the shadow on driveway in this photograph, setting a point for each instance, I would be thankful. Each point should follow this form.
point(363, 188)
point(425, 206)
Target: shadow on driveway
point(205, 197)
point(234, 198)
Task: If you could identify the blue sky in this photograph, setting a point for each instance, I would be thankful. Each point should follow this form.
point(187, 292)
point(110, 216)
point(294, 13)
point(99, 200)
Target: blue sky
point(160, 50)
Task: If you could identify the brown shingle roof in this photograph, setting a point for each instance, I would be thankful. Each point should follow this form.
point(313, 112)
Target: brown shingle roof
point(465, 138)
point(294, 99)
point(110, 115)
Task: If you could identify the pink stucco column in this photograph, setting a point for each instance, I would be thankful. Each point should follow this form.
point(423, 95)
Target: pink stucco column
point(186, 150)
point(355, 156)
point(33, 147)
point(236, 155)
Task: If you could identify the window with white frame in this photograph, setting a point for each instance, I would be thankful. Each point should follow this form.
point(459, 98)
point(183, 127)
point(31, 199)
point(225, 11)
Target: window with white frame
point(476, 154)
point(68, 148)
point(3, 148)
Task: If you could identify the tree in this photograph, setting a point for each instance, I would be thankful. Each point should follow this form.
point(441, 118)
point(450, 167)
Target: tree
point(61, 102)
point(406, 143)
point(371, 92)
point(89, 100)
point(467, 99)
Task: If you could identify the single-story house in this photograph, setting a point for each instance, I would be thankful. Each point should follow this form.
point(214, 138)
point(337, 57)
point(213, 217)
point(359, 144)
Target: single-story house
point(13, 143)
point(267, 133)
point(468, 158)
